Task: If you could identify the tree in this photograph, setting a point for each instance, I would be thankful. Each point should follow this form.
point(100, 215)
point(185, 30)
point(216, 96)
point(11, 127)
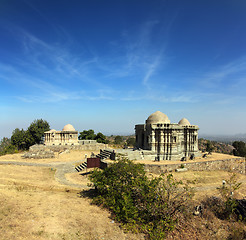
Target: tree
point(209, 146)
point(37, 129)
point(118, 140)
point(33, 135)
point(101, 138)
point(4, 143)
point(87, 135)
point(239, 148)
point(6, 147)
point(131, 141)
point(21, 139)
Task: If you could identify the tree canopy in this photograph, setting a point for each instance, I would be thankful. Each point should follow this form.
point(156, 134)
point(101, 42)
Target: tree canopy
point(101, 138)
point(90, 135)
point(6, 147)
point(209, 146)
point(33, 135)
point(131, 141)
point(239, 148)
point(37, 129)
point(87, 135)
point(118, 140)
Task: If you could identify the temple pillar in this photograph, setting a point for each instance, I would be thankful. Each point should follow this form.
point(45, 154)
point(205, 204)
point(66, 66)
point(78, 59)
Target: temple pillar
point(153, 140)
point(161, 141)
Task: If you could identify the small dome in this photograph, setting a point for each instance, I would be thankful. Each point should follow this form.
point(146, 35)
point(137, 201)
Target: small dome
point(51, 131)
point(157, 117)
point(184, 122)
point(68, 127)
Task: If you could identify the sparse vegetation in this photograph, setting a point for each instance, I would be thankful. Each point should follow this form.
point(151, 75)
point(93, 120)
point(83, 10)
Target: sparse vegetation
point(225, 207)
point(36, 206)
point(219, 147)
point(148, 205)
point(118, 139)
point(131, 141)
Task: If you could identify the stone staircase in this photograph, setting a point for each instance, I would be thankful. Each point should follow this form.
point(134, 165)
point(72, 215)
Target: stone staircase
point(81, 167)
point(130, 154)
point(105, 154)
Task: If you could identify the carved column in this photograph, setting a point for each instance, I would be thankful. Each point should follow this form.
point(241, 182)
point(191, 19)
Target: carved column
point(153, 140)
point(161, 141)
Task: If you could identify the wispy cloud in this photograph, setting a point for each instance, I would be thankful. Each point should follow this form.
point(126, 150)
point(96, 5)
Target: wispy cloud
point(228, 74)
point(151, 70)
point(138, 54)
point(53, 72)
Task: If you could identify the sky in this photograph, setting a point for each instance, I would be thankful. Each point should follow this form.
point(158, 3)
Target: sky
point(107, 65)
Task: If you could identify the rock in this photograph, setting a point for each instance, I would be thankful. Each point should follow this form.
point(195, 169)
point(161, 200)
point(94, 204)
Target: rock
point(181, 170)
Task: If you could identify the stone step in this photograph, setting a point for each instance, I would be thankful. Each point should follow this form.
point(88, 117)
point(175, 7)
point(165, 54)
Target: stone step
point(81, 167)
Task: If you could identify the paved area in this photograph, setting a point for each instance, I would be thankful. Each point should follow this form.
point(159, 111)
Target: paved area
point(62, 168)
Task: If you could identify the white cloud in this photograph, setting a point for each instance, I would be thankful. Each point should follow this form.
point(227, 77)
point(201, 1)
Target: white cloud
point(233, 70)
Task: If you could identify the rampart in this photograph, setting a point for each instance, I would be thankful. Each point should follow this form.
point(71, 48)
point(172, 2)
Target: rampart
point(231, 164)
point(48, 151)
point(85, 145)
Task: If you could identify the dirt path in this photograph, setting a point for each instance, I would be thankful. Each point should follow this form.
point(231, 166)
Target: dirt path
point(62, 168)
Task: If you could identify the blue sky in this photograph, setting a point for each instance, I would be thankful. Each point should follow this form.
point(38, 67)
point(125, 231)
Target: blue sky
point(107, 65)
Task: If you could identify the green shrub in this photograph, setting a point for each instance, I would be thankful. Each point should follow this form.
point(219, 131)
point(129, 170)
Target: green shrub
point(148, 205)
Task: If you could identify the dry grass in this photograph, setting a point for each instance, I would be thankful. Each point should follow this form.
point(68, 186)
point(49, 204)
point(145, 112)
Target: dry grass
point(33, 205)
point(206, 182)
point(213, 157)
point(64, 157)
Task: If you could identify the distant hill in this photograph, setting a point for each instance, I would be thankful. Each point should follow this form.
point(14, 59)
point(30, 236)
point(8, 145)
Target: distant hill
point(218, 147)
point(225, 138)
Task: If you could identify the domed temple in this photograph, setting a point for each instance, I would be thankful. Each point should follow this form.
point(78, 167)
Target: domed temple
point(68, 136)
point(166, 140)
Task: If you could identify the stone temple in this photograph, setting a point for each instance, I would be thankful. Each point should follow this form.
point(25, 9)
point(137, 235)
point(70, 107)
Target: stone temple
point(68, 136)
point(164, 140)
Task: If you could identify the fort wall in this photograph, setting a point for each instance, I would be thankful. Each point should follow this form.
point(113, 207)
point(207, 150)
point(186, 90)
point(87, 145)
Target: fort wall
point(236, 165)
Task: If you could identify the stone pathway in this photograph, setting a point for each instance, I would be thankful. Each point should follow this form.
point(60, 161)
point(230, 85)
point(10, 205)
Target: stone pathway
point(62, 168)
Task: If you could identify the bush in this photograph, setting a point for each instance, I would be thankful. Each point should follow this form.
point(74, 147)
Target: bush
point(118, 140)
point(148, 205)
point(131, 141)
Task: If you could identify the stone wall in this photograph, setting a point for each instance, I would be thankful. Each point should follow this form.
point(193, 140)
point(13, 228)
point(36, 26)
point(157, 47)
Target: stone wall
point(57, 148)
point(234, 164)
point(46, 151)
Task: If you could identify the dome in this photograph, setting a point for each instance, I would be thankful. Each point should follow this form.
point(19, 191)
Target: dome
point(51, 131)
point(184, 122)
point(157, 117)
point(68, 127)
